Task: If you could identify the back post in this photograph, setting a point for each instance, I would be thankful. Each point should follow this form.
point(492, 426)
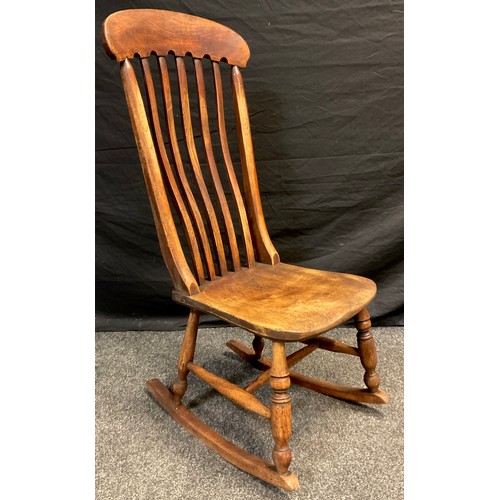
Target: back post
point(264, 248)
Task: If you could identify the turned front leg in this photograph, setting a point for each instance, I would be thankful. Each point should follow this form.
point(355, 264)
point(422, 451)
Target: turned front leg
point(186, 355)
point(367, 352)
point(281, 408)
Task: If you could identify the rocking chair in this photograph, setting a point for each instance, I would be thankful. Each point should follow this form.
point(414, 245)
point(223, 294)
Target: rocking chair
point(239, 279)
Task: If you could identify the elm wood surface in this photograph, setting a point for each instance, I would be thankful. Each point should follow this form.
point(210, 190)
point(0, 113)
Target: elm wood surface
point(283, 302)
point(259, 293)
point(142, 31)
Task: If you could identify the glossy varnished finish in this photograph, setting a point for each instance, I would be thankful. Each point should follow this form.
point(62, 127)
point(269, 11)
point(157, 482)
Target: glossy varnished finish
point(142, 31)
point(283, 301)
point(254, 289)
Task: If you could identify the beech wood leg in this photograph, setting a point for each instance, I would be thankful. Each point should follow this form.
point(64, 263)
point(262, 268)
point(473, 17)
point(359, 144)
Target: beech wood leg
point(281, 408)
point(367, 351)
point(186, 355)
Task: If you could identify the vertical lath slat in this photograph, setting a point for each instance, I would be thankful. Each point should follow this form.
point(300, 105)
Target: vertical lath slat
point(193, 157)
point(265, 249)
point(170, 245)
point(214, 173)
point(233, 181)
point(172, 184)
point(193, 207)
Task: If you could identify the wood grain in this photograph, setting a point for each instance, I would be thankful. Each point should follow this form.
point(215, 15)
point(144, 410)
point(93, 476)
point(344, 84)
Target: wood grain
point(284, 302)
point(333, 345)
point(339, 391)
point(347, 393)
point(226, 449)
point(171, 183)
point(281, 408)
point(231, 391)
point(196, 168)
point(212, 166)
point(268, 298)
point(233, 181)
point(291, 360)
point(367, 352)
point(191, 201)
point(264, 248)
point(143, 31)
point(186, 355)
point(170, 245)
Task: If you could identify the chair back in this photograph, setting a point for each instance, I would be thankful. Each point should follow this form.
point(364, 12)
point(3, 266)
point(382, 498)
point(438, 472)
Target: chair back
point(203, 233)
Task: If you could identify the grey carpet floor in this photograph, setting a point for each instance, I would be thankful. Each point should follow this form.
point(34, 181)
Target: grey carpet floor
point(340, 450)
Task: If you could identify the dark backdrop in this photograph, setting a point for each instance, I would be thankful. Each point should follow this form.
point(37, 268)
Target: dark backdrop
point(324, 86)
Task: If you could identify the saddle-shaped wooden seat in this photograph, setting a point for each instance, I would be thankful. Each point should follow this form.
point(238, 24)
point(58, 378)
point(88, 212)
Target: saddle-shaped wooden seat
point(217, 248)
point(283, 302)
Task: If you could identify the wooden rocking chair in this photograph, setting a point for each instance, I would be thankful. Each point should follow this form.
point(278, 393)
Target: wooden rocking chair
point(240, 280)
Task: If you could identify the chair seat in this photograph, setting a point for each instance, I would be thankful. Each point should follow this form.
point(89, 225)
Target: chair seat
point(283, 301)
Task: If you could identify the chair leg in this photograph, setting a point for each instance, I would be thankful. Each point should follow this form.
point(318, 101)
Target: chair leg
point(273, 473)
point(367, 352)
point(258, 346)
point(186, 355)
point(281, 408)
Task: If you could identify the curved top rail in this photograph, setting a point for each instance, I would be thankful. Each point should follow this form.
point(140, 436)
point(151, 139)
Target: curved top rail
point(143, 31)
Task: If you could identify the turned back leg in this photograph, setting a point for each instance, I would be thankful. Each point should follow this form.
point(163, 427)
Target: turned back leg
point(186, 355)
point(367, 351)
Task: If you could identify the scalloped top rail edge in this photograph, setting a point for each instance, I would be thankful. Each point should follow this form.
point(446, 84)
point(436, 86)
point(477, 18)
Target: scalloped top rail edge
point(143, 32)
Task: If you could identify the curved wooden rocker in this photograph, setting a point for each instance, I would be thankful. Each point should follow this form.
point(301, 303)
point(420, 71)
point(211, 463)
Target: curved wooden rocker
point(233, 272)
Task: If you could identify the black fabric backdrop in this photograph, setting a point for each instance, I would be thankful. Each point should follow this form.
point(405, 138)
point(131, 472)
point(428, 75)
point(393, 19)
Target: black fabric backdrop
point(324, 86)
